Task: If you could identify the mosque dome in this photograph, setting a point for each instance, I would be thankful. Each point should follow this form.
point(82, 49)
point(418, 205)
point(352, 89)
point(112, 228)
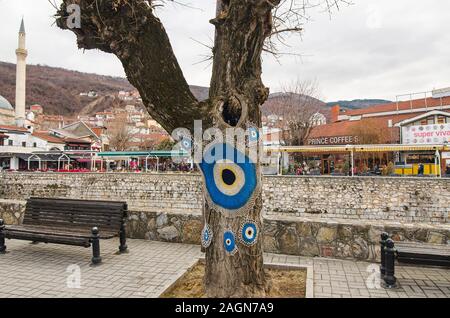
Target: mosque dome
point(4, 104)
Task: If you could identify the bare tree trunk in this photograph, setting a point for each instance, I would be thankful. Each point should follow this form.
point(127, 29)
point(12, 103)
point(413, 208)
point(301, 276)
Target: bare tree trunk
point(236, 95)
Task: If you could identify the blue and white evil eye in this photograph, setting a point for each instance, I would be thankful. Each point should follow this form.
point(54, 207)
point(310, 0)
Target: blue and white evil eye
point(207, 236)
point(186, 144)
point(230, 176)
point(249, 233)
point(253, 134)
point(229, 242)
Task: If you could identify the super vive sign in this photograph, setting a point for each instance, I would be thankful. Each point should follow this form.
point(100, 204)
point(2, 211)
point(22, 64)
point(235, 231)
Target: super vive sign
point(335, 140)
point(426, 134)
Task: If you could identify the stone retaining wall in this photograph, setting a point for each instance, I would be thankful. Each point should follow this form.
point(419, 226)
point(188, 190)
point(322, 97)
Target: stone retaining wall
point(283, 235)
point(408, 200)
point(423, 200)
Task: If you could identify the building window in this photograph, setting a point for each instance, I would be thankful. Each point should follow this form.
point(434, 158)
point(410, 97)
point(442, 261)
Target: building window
point(441, 120)
point(34, 144)
point(423, 122)
point(10, 142)
point(430, 121)
point(24, 143)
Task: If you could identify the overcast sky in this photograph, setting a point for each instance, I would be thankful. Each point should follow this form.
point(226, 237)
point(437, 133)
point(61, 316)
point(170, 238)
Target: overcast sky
point(372, 49)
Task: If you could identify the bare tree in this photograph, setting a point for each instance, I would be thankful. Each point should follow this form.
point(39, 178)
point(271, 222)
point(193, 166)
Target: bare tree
point(119, 133)
point(301, 107)
point(130, 30)
point(370, 132)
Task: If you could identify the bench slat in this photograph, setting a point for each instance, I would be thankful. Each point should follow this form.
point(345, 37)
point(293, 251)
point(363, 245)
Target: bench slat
point(68, 232)
point(86, 209)
point(47, 238)
point(89, 222)
point(423, 254)
point(73, 201)
point(74, 216)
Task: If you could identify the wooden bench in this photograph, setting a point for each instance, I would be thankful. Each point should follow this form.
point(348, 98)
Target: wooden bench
point(423, 254)
point(69, 222)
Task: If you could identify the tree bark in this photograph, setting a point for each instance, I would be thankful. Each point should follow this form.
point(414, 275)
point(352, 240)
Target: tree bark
point(236, 94)
point(129, 30)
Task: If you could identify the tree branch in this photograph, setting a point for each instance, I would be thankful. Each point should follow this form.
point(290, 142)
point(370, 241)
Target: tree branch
point(130, 30)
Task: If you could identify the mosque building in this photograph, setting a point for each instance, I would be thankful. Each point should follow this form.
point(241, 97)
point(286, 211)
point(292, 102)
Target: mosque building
point(8, 114)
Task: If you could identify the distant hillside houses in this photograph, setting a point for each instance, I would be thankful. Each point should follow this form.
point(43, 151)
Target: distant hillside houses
point(90, 94)
point(129, 96)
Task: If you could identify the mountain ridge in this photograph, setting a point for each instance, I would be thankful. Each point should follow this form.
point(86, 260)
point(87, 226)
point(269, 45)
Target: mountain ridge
point(358, 103)
point(58, 91)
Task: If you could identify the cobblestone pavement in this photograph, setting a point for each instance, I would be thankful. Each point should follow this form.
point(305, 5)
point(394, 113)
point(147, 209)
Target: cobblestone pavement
point(350, 279)
point(43, 270)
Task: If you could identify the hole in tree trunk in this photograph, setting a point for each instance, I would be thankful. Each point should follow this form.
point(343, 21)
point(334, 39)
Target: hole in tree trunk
point(231, 112)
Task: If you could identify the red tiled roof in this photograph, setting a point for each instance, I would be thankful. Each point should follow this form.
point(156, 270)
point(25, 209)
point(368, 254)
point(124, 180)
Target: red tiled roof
point(47, 137)
point(415, 104)
point(347, 128)
point(13, 128)
point(97, 130)
point(74, 140)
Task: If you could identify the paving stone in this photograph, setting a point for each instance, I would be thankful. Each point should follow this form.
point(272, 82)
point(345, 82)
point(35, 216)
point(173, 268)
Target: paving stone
point(41, 271)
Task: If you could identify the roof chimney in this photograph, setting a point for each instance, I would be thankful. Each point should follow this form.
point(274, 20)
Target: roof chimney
point(335, 112)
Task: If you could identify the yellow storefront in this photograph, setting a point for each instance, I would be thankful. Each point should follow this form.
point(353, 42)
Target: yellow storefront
point(353, 151)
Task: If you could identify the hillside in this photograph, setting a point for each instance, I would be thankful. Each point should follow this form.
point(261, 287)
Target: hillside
point(58, 90)
point(358, 103)
point(278, 104)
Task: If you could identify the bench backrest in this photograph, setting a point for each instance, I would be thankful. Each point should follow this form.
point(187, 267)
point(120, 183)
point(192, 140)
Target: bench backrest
point(107, 215)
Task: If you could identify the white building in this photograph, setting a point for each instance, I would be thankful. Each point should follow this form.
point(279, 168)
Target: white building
point(18, 144)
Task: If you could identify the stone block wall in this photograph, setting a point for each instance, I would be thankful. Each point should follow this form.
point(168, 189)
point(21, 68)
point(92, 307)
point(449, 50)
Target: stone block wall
point(172, 193)
point(312, 216)
point(282, 235)
point(423, 200)
point(410, 200)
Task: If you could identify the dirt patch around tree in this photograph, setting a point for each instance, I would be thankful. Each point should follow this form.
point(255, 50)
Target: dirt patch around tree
point(286, 283)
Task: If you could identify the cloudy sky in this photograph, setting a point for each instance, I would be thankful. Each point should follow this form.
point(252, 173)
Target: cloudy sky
point(371, 49)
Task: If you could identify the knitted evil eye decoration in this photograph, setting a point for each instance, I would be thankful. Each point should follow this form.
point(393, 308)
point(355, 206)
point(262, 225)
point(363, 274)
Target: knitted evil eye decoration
point(249, 233)
point(186, 143)
point(230, 178)
point(253, 134)
point(229, 242)
point(207, 236)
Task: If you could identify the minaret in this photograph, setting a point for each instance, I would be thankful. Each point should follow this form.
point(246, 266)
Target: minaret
point(21, 76)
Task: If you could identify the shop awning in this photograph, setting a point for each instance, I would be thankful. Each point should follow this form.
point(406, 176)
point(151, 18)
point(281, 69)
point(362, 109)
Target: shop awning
point(144, 154)
point(395, 148)
point(309, 149)
point(40, 157)
point(358, 148)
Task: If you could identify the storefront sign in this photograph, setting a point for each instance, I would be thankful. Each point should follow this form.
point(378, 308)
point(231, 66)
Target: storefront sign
point(426, 135)
point(443, 92)
point(337, 140)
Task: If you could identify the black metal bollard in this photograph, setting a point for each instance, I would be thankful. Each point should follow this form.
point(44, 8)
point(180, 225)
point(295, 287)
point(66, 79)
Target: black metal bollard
point(2, 237)
point(123, 239)
point(389, 277)
point(96, 258)
point(384, 238)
